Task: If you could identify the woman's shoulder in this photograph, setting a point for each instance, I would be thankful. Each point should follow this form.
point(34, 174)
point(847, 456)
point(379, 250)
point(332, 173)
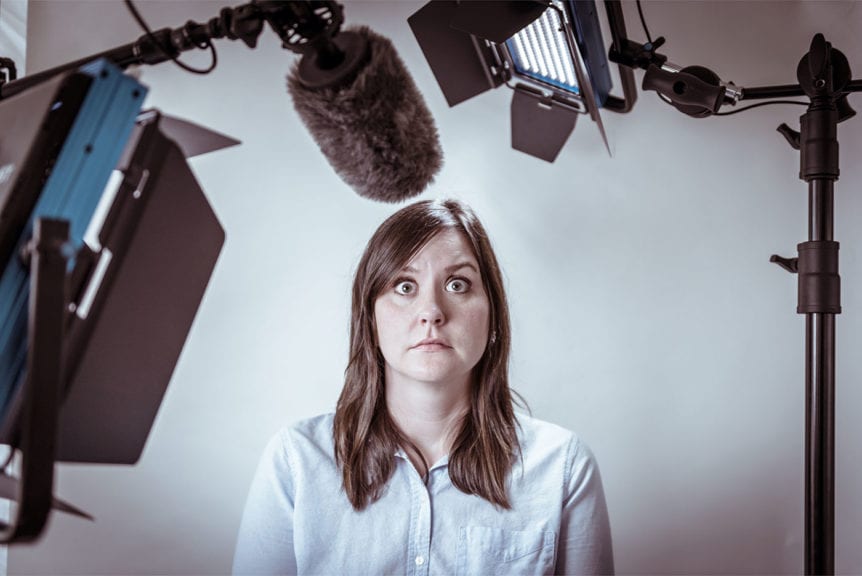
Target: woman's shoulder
point(314, 427)
point(311, 435)
point(532, 429)
point(545, 438)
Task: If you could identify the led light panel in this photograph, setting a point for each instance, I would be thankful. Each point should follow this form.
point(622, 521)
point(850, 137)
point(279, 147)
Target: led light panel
point(540, 51)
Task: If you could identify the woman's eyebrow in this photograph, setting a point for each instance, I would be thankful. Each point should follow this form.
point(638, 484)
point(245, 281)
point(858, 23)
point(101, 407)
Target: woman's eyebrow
point(453, 267)
point(448, 269)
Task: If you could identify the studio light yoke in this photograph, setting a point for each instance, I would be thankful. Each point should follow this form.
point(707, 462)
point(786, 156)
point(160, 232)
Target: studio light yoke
point(549, 52)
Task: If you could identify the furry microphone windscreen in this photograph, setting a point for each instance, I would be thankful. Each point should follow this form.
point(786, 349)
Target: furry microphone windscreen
point(375, 128)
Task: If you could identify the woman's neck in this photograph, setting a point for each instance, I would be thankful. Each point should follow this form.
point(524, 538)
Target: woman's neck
point(429, 416)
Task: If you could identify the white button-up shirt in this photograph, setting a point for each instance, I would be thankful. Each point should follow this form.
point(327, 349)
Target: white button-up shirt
point(298, 519)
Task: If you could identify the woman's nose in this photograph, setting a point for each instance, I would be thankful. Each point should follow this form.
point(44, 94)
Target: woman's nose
point(430, 311)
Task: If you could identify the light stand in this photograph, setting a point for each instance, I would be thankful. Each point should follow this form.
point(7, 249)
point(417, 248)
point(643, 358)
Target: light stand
point(825, 78)
point(63, 138)
point(158, 245)
point(160, 242)
point(61, 400)
point(823, 74)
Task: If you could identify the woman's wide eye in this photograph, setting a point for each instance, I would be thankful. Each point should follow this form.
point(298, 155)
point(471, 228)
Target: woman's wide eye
point(458, 285)
point(405, 287)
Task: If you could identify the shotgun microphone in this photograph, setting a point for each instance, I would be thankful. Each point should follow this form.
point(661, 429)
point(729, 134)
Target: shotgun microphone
point(366, 114)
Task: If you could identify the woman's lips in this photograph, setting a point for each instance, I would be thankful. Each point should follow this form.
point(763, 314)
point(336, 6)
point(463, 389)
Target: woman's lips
point(431, 345)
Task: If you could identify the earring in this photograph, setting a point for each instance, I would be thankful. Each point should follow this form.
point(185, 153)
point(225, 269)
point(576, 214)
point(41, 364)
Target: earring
point(493, 338)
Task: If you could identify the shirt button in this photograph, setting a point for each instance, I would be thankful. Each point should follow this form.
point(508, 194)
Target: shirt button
point(420, 560)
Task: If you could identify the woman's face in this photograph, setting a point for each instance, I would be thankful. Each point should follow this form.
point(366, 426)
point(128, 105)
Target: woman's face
point(432, 320)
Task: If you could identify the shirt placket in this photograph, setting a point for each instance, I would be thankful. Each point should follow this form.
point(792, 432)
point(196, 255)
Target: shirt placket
point(420, 527)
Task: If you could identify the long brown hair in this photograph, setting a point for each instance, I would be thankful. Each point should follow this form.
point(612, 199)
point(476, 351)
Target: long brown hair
point(366, 436)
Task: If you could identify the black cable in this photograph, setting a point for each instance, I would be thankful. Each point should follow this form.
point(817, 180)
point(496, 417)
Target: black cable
point(208, 44)
point(669, 102)
point(643, 21)
point(760, 104)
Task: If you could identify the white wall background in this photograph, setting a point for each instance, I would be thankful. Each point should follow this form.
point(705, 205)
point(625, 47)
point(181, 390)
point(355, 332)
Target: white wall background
point(647, 316)
point(13, 32)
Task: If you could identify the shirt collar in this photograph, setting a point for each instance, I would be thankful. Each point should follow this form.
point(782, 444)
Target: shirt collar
point(444, 461)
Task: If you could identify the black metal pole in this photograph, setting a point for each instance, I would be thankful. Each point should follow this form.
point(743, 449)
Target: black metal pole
point(820, 406)
point(38, 434)
point(242, 22)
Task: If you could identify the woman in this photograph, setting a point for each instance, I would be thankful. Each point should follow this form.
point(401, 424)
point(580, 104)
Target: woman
point(424, 468)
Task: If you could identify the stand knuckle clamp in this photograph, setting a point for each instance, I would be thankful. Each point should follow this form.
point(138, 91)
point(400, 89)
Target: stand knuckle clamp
point(819, 281)
point(819, 145)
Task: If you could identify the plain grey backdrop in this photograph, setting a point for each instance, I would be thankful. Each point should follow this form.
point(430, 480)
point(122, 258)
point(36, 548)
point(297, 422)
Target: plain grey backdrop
point(646, 314)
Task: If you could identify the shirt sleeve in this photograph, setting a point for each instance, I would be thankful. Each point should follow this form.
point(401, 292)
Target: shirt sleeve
point(265, 541)
point(585, 534)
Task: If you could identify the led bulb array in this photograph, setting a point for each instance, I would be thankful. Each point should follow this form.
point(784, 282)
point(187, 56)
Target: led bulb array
point(540, 51)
